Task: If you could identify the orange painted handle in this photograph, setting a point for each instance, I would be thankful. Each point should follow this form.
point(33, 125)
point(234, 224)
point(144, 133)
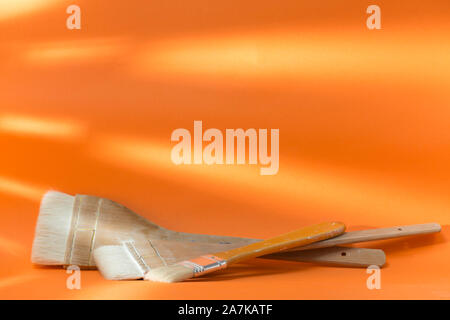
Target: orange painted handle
point(286, 241)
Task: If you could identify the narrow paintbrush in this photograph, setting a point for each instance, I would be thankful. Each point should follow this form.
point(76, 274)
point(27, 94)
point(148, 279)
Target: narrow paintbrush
point(210, 263)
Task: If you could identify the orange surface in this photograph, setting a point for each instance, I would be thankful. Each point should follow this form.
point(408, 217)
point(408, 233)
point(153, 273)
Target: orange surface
point(364, 120)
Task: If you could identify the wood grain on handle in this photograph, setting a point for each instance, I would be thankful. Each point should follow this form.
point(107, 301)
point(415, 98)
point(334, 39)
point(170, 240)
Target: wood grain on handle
point(286, 241)
point(374, 234)
point(336, 256)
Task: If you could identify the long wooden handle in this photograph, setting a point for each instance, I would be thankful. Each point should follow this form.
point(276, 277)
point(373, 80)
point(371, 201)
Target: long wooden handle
point(286, 241)
point(374, 234)
point(335, 256)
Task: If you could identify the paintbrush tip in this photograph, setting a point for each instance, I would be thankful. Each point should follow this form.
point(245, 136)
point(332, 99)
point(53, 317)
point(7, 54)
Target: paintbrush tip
point(52, 228)
point(173, 273)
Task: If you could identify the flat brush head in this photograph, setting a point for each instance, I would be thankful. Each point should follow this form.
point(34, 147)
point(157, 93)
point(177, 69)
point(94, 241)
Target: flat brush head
point(174, 273)
point(52, 229)
point(117, 263)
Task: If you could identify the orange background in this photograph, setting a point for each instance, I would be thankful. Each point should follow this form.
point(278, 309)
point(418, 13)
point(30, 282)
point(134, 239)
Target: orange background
point(364, 120)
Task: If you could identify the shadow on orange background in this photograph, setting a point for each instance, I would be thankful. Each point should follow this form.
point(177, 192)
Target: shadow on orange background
point(363, 115)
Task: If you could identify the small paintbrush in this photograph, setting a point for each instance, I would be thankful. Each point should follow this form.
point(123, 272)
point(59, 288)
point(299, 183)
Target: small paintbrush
point(206, 264)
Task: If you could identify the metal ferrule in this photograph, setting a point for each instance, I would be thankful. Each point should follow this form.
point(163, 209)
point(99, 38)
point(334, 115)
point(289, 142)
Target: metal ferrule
point(205, 264)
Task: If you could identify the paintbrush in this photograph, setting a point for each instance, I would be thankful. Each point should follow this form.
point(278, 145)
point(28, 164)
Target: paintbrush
point(70, 228)
point(132, 260)
point(220, 260)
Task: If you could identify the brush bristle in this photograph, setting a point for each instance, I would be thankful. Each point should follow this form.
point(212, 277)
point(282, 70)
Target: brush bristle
point(52, 229)
point(117, 263)
point(173, 273)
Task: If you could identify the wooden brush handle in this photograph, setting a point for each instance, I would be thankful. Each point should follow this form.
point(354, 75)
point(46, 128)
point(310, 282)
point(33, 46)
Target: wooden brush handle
point(335, 256)
point(286, 241)
point(374, 234)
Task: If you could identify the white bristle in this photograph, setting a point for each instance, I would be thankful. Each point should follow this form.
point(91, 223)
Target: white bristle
point(173, 273)
point(52, 229)
point(117, 263)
